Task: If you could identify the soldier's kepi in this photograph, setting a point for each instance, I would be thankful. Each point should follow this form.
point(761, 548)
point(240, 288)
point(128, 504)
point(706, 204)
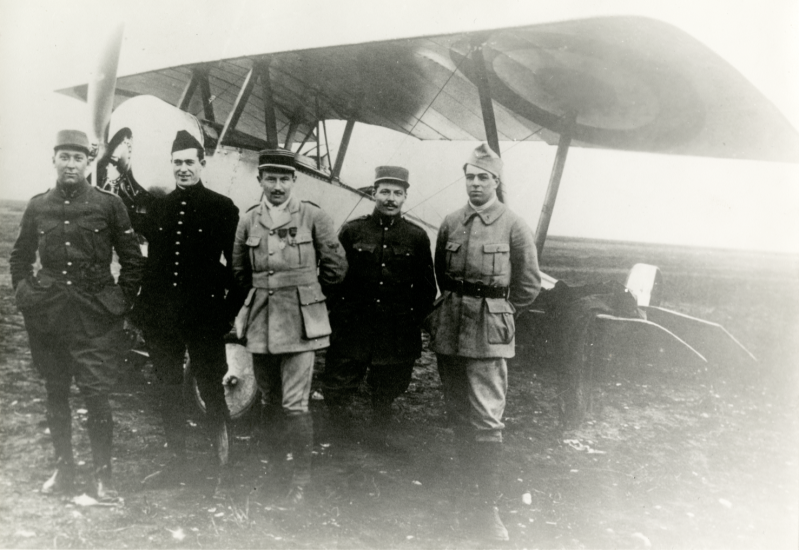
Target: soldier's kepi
point(287, 259)
point(72, 307)
point(487, 270)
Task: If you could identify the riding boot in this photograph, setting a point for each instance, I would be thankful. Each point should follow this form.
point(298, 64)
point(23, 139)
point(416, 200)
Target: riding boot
point(486, 514)
point(218, 432)
point(100, 426)
point(381, 437)
point(59, 420)
point(300, 432)
point(339, 425)
point(173, 414)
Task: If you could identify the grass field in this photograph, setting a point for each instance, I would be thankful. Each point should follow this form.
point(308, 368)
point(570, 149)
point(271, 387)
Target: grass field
point(668, 459)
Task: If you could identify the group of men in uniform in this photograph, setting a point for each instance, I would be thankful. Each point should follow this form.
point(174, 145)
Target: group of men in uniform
point(292, 286)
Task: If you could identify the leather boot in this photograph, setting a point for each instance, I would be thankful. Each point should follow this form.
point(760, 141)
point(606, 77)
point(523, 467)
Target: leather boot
point(487, 522)
point(173, 415)
point(300, 432)
point(339, 426)
point(59, 420)
point(100, 426)
point(381, 437)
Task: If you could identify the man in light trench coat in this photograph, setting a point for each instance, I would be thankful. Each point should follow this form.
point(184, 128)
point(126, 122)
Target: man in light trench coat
point(487, 270)
point(280, 244)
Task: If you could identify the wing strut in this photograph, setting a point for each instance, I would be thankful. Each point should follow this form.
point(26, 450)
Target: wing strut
point(554, 182)
point(487, 106)
point(188, 91)
point(269, 103)
point(342, 149)
point(238, 108)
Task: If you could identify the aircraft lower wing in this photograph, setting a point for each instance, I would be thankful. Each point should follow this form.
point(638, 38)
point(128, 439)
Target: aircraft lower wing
point(647, 341)
point(711, 339)
point(633, 83)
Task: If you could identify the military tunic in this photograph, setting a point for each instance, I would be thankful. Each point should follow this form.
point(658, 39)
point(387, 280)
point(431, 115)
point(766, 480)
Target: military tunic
point(275, 259)
point(492, 248)
point(387, 293)
point(189, 233)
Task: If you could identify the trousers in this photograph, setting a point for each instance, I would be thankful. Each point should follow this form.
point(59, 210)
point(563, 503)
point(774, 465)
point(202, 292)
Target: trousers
point(474, 393)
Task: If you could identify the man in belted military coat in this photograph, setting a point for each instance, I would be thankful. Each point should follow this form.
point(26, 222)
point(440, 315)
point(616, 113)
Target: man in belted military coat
point(188, 299)
point(286, 257)
point(72, 307)
point(487, 270)
point(377, 317)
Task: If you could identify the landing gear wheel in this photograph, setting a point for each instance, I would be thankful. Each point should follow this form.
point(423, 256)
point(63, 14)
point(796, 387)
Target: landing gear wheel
point(239, 397)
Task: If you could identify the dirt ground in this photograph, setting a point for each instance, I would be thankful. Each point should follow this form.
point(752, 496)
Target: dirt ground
point(669, 457)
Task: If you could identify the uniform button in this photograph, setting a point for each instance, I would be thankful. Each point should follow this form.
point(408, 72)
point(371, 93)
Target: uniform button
point(69, 282)
point(177, 242)
point(66, 222)
point(385, 229)
point(271, 252)
point(69, 263)
point(179, 223)
point(271, 272)
point(177, 263)
point(96, 230)
point(67, 243)
point(64, 272)
point(383, 265)
point(179, 233)
point(66, 202)
point(176, 273)
point(182, 202)
point(378, 300)
point(271, 292)
point(177, 253)
point(381, 282)
point(385, 246)
point(182, 212)
point(174, 284)
point(271, 232)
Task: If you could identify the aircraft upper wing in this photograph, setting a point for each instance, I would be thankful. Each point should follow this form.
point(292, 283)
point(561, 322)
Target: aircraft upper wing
point(633, 83)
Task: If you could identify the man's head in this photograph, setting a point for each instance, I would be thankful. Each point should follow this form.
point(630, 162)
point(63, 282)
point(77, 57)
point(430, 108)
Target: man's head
point(276, 174)
point(188, 159)
point(483, 172)
point(71, 157)
point(391, 189)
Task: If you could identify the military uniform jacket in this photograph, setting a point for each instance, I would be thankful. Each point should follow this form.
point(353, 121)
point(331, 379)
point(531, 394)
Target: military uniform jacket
point(387, 293)
point(283, 259)
point(75, 233)
point(188, 233)
point(493, 247)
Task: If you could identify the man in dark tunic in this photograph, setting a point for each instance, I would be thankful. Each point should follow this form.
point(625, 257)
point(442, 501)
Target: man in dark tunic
point(184, 304)
point(387, 292)
point(73, 308)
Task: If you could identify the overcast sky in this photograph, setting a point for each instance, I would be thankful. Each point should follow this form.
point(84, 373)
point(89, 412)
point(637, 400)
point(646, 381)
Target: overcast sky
point(612, 195)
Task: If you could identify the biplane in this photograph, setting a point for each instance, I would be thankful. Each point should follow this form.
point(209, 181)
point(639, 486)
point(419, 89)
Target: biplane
point(618, 83)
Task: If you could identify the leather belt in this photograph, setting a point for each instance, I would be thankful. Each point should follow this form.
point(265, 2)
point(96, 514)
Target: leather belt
point(477, 290)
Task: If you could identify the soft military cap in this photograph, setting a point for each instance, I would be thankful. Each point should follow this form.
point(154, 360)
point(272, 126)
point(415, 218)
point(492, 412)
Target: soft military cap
point(392, 174)
point(184, 140)
point(279, 159)
point(72, 139)
point(484, 157)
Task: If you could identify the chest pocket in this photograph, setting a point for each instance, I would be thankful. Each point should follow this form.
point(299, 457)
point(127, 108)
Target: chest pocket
point(454, 257)
point(95, 235)
point(363, 254)
point(496, 259)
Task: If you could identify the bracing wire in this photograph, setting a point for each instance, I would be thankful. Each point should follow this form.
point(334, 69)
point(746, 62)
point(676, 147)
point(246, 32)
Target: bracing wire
point(429, 105)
